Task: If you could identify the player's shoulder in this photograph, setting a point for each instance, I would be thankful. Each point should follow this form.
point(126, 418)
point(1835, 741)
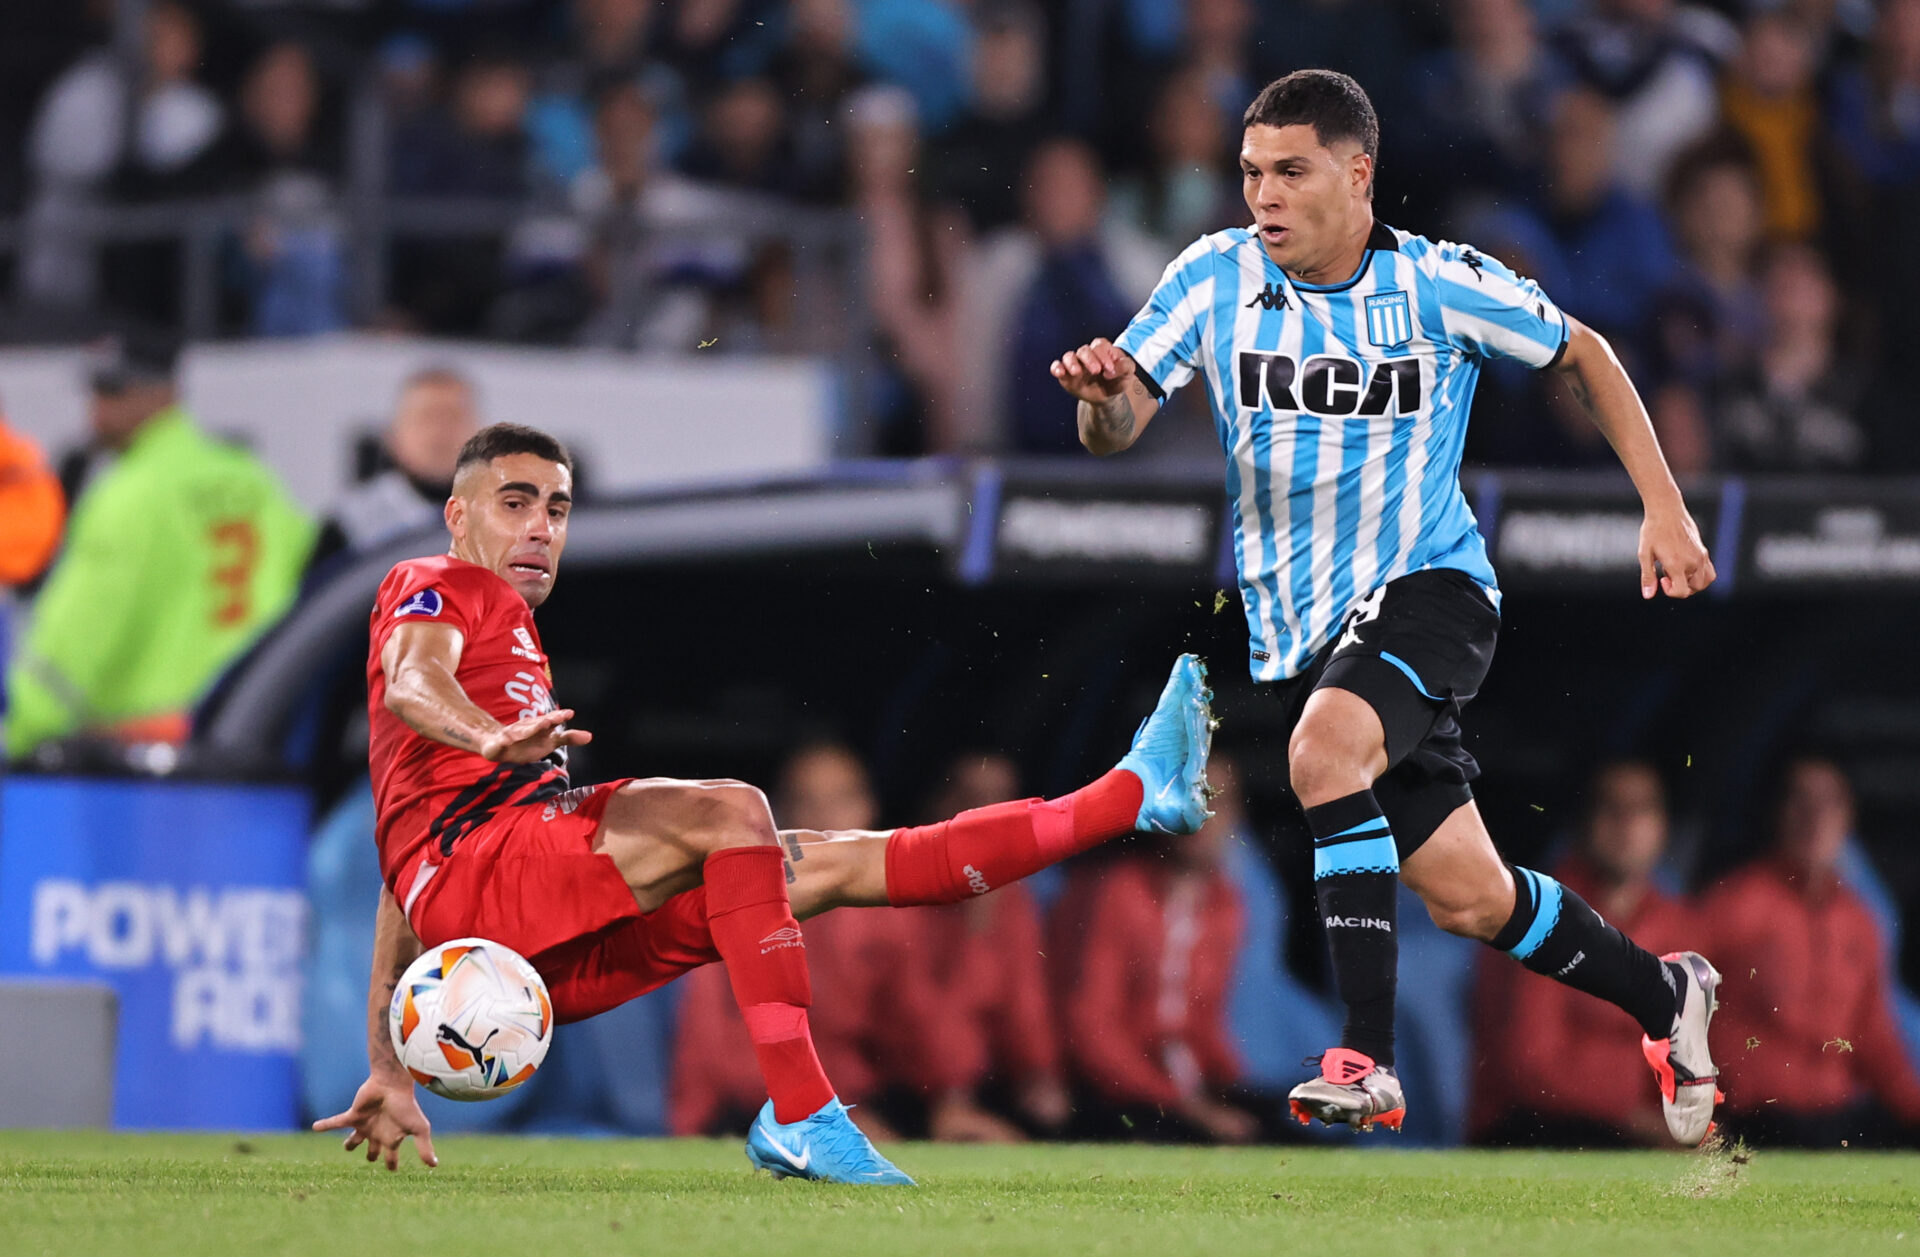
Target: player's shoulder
point(1193, 261)
point(427, 583)
point(1457, 260)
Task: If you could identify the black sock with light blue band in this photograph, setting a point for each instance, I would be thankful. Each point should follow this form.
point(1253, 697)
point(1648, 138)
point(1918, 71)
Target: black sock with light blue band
point(1356, 874)
point(1553, 932)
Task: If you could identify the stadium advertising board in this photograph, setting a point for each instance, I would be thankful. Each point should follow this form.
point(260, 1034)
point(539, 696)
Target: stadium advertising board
point(1799, 537)
point(1077, 532)
point(186, 898)
point(1574, 536)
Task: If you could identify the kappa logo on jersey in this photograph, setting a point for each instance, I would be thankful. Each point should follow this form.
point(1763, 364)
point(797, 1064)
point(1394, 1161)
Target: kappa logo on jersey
point(1272, 297)
point(426, 602)
point(1327, 385)
point(1389, 320)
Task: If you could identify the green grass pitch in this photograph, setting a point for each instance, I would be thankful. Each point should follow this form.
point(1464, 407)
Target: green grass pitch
point(83, 1193)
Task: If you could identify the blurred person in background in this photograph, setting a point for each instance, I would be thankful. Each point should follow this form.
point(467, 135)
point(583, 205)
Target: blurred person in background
point(1187, 188)
point(1768, 97)
point(1710, 316)
point(605, 41)
point(988, 1058)
point(32, 512)
point(283, 157)
point(178, 554)
point(978, 163)
point(860, 1018)
point(79, 152)
point(1549, 1066)
point(1815, 1055)
point(1143, 946)
point(478, 147)
point(435, 413)
point(816, 71)
point(1603, 250)
point(639, 285)
point(743, 143)
point(1795, 407)
point(916, 255)
point(1873, 122)
point(1071, 274)
point(1655, 62)
point(1218, 43)
point(1613, 252)
point(709, 41)
point(1478, 106)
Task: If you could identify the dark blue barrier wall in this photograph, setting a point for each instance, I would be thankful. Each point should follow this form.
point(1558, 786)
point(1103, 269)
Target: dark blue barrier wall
point(187, 898)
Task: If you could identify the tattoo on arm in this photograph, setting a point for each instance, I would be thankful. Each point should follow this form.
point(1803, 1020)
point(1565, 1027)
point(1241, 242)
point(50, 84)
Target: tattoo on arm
point(793, 855)
point(456, 737)
point(1114, 418)
point(1581, 393)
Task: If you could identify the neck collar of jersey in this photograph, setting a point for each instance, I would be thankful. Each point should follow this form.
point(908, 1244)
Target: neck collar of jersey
point(1381, 237)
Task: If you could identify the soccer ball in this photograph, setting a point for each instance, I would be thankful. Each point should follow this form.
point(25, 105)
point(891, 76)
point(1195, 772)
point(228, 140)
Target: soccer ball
point(471, 1019)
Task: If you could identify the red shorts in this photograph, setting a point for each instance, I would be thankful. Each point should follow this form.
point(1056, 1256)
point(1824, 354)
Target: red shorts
point(530, 879)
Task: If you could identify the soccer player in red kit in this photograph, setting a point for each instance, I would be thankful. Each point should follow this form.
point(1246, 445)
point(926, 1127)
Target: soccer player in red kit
point(615, 889)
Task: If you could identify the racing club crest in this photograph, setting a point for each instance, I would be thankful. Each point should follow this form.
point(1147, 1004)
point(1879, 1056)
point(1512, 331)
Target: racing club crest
point(1389, 320)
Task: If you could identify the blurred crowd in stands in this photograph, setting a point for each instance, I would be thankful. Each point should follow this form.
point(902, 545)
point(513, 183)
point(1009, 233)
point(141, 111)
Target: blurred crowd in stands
point(1729, 190)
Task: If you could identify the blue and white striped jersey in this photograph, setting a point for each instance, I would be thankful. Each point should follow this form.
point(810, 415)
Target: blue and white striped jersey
point(1342, 410)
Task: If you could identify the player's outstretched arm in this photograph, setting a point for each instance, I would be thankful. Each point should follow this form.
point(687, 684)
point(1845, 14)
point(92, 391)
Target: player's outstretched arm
point(1115, 405)
point(1673, 560)
point(420, 661)
point(386, 1110)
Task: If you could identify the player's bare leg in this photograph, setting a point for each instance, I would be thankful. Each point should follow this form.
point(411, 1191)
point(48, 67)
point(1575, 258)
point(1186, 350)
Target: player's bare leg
point(1159, 786)
point(1470, 891)
point(667, 836)
point(659, 831)
point(1465, 885)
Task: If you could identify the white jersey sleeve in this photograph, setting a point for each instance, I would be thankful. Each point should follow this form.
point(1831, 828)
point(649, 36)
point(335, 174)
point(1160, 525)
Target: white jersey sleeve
point(1493, 313)
point(1165, 339)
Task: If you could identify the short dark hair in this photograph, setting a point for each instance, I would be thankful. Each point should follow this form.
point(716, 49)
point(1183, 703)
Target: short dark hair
point(501, 439)
point(1330, 102)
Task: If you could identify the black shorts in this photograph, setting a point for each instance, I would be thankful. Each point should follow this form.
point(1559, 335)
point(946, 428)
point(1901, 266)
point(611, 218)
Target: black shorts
point(1416, 651)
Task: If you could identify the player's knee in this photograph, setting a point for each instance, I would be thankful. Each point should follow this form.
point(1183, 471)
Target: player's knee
point(1322, 767)
point(736, 814)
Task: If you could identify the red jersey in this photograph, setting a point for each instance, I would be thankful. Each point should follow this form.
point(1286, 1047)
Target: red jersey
point(428, 794)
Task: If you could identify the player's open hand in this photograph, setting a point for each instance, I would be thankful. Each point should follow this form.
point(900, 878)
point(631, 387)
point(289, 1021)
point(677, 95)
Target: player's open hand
point(533, 738)
point(1095, 372)
point(384, 1113)
point(1673, 560)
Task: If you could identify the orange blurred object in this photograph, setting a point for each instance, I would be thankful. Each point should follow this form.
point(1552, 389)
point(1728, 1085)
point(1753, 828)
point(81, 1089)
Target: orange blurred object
point(32, 509)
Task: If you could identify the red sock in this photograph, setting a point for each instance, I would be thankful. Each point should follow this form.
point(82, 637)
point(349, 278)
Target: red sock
point(979, 850)
point(756, 935)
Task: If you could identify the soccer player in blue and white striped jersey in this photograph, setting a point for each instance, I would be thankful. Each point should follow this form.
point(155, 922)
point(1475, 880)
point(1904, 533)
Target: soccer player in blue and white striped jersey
point(1340, 356)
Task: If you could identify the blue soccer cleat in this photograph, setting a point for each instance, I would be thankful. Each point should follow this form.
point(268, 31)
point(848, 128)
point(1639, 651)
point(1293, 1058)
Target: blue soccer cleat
point(826, 1147)
point(1169, 753)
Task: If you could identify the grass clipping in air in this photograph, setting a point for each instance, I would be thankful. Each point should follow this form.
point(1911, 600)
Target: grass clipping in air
point(1716, 1168)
